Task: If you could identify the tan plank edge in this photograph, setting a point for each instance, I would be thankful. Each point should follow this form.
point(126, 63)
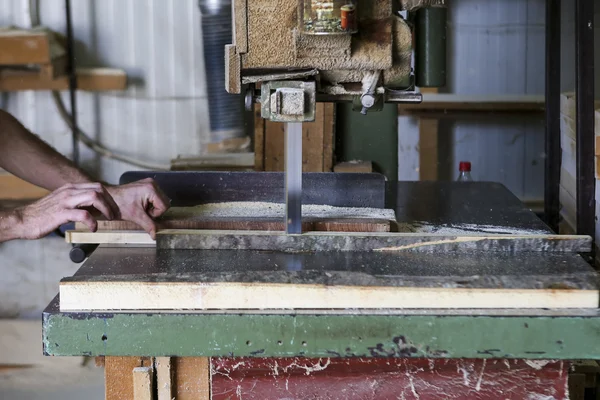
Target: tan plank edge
point(240, 25)
point(329, 136)
point(428, 149)
point(14, 188)
point(233, 70)
point(143, 387)
point(89, 79)
point(192, 378)
point(354, 166)
point(164, 378)
point(19, 47)
point(118, 377)
point(259, 140)
point(109, 237)
point(84, 296)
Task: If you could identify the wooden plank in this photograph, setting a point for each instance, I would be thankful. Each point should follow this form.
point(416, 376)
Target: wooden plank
point(259, 139)
point(154, 295)
point(354, 166)
point(109, 237)
point(143, 388)
point(274, 146)
point(240, 25)
point(192, 378)
point(233, 70)
point(377, 242)
point(329, 136)
point(164, 378)
point(118, 376)
point(312, 142)
point(261, 216)
point(13, 188)
point(317, 143)
point(428, 149)
point(89, 79)
point(21, 47)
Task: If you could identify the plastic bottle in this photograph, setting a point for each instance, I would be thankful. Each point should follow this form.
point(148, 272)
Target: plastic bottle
point(464, 167)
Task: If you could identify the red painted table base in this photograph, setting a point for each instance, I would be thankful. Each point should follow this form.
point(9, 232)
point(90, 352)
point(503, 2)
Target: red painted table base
point(387, 378)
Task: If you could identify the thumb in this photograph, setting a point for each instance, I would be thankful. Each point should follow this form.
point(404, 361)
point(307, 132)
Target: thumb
point(147, 224)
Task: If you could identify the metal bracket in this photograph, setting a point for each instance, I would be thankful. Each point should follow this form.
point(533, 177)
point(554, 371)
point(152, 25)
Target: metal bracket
point(288, 101)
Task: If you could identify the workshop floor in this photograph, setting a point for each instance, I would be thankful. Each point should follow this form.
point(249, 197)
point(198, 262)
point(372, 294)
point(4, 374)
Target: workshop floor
point(26, 374)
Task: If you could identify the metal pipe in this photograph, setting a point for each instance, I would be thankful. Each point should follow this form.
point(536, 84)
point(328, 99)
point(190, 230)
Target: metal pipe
point(584, 67)
point(72, 82)
point(553, 151)
point(224, 109)
point(430, 49)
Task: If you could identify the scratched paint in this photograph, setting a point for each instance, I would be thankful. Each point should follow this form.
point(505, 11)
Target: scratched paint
point(385, 378)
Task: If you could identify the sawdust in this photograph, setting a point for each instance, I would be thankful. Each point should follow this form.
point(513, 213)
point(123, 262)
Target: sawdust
point(462, 229)
point(248, 209)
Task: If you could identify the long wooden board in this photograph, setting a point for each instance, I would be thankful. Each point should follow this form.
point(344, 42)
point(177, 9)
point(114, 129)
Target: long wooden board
point(169, 295)
point(146, 279)
point(377, 242)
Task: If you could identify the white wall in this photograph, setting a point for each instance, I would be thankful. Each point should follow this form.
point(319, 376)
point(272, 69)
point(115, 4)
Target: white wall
point(494, 47)
point(159, 43)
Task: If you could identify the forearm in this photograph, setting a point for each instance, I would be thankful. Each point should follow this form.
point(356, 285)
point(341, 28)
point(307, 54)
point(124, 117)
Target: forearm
point(25, 155)
point(9, 225)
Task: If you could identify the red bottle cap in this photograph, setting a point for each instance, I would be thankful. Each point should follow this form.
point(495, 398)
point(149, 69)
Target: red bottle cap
point(464, 166)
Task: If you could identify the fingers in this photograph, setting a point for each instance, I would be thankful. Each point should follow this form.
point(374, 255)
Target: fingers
point(157, 198)
point(81, 216)
point(87, 198)
point(146, 223)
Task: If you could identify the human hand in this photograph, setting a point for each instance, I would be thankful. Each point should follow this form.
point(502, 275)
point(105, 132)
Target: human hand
point(64, 205)
point(140, 202)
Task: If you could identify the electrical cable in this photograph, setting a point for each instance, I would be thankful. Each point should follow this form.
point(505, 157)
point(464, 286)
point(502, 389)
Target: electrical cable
point(35, 20)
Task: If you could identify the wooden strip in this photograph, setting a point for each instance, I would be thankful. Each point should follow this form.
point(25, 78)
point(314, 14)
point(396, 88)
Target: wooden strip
point(84, 296)
point(118, 376)
point(329, 124)
point(274, 141)
point(597, 150)
point(21, 47)
point(89, 79)
point(109, 237)
point(428, 149)
point(233, 70)
point(382, 242)
point(240, 26)
point(143, 387)
point(249, 224)
point(312, 142)
point(13, 188)
point(354, 167)
point(164, 378)
point(259, 140)
point(192, 378)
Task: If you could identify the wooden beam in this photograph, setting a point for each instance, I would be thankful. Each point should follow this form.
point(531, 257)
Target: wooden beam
point(143, 383)
point(192, 378)
point(158, 295)
point(88, 79)
point(21, 47)
point(14, 188)
point(377, 242)
point(164, 378)
point(428, 149)
point(118, 378)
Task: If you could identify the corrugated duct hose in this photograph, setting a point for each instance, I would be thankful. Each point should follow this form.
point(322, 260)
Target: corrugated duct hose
point(225, 110)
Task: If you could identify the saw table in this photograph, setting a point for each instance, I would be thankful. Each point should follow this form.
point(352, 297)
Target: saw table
point(480, 349)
